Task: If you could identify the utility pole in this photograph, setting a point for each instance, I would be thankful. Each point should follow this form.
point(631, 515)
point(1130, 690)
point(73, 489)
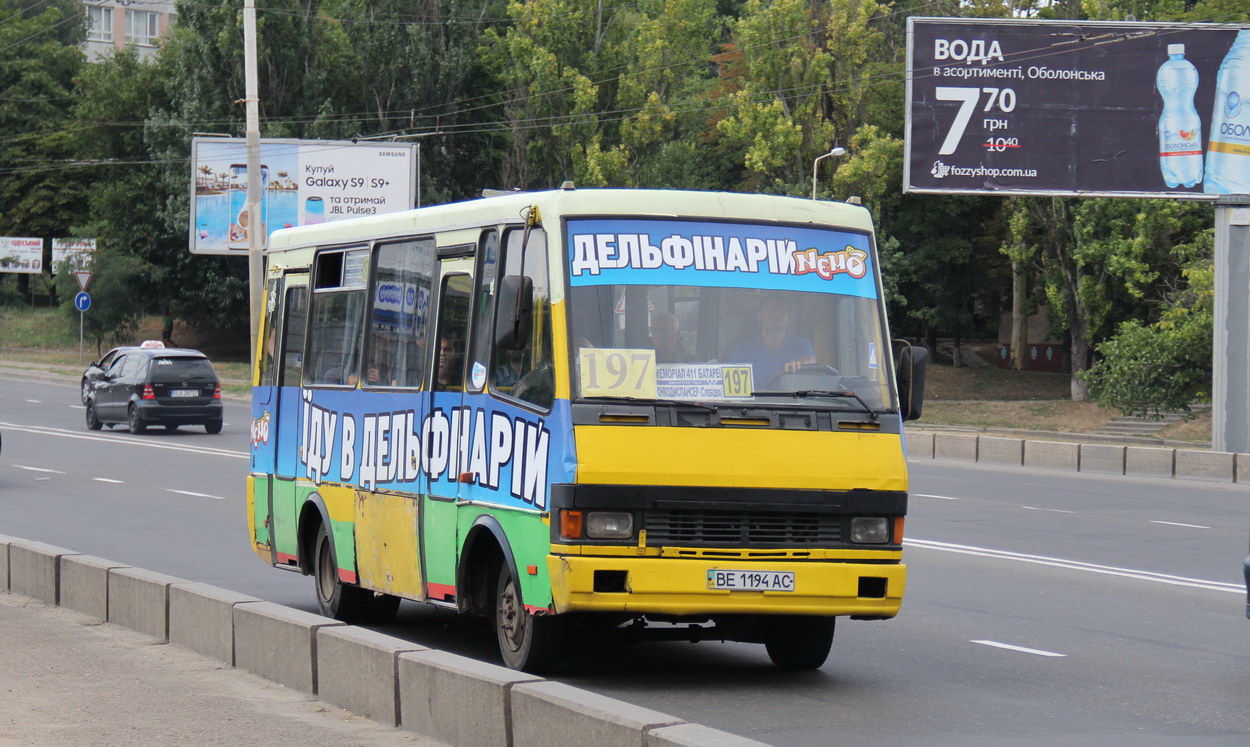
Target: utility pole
point(1230, 405)
point(255, 221)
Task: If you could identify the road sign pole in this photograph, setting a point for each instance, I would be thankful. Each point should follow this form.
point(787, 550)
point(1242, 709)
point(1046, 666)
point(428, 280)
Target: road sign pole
point(80, 338)
point(1230, 372)
point(255, 221)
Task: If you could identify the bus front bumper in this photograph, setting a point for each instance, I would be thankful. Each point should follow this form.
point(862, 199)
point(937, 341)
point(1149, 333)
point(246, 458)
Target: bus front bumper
point(679, 586)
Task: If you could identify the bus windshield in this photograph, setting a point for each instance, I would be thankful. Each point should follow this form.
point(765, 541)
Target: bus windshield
point(725, 312)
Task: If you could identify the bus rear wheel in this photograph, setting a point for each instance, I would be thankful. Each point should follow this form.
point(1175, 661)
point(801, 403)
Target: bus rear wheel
point(345, 602)
point(527, 642)
point(799, 643)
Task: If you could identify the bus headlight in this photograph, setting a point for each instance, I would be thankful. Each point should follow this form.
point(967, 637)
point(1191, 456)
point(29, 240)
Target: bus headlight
point(609, 525)
point(870, 530)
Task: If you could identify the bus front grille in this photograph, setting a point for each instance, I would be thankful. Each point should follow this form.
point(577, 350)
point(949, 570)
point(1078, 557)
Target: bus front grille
point(707, 528)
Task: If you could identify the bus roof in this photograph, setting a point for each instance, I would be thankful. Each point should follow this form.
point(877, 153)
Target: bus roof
point(508, 208)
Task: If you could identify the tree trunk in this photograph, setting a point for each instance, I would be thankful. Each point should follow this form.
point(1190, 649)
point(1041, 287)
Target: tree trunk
point(167, 331)
point(1019, 315)
point(957, 354)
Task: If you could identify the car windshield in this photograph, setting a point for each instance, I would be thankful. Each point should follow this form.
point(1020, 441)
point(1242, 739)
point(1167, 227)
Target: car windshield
point(180, 369)
point(741, 313)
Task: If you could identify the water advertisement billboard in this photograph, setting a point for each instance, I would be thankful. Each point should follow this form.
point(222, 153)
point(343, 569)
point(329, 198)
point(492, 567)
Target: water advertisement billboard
point(303, 182)
point(1077, 108)
point(23, 255)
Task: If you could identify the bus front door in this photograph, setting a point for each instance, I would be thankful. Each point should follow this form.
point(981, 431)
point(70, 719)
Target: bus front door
point(448, 376)
point(283, 503)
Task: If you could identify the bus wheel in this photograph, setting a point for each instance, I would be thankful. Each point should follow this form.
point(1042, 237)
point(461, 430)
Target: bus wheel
point(528, 642)
point(799, 643)
point(336, 599)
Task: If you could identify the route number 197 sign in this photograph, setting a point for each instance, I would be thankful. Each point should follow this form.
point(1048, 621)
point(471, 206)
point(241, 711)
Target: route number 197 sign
point(1001, 106)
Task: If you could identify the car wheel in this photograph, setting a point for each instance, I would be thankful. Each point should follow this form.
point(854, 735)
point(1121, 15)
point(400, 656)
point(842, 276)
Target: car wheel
point(213, 426)
point(799, 643)
point(93, 422)
point(528, 642)
point(86, 391)
point(136, 423)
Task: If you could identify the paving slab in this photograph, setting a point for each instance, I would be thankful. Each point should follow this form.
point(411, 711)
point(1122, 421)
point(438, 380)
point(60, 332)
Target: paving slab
point(552, 713)
point(919, 444)
point(85, 584)
point(955, 446)
point(278, 643)
point(1149, 461)
point(1207, 466)
point(201, 617)
point(1057, 455)
point(34, 569)
point(139, 599)
point(1000, 450)
point(457, 699)
point(696, 735)
point(1104, 459)
point(67, 681)
point(357, 670)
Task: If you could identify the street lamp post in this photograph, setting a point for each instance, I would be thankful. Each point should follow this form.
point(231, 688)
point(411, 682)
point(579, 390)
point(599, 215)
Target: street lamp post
point(838, 151)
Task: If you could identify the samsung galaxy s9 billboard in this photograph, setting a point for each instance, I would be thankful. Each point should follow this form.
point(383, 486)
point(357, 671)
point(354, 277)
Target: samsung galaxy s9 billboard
point(1004, 106)
point(303, 182)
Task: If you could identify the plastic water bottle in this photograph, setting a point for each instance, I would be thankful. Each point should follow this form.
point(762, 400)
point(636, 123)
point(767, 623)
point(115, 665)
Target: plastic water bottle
point(1180, 129)
point(1228, 146)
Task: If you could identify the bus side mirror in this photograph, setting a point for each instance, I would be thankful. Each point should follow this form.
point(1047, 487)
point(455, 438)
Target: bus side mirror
point(910, 370)
point(514, 313)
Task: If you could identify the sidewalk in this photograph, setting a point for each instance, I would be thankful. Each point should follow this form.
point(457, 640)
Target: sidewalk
point(68, 680)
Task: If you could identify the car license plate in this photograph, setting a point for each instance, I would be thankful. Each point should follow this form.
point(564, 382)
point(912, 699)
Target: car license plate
point(734, 580)
point(184, 392)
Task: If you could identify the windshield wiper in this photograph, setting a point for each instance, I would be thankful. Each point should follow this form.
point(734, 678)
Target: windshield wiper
point(805, 393)
point(649, 401)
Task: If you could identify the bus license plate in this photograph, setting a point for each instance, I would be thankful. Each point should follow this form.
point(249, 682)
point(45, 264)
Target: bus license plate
point(750, 580)
point(184, 392)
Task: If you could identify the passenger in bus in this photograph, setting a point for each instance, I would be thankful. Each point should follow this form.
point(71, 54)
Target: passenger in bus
point(450, 364)
point(666, 339)
point(773, 350)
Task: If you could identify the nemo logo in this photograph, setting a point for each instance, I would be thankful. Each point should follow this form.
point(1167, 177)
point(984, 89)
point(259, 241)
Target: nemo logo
point(260, 430)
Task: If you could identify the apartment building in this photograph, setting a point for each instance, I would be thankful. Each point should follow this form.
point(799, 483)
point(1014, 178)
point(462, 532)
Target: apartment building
point(115, 24)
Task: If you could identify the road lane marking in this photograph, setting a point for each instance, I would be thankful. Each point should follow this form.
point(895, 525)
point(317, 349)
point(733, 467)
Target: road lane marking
point(1179, 524)
point(930, 495)
point(124, 440)
point(1054, 510)
point(1076, 565)
point(108, 480)
point(39, 469)
point(195, 495)
point(34, 402)
point(1022, 649)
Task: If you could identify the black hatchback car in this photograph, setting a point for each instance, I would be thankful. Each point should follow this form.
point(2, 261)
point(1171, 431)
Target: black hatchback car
point(168, 387)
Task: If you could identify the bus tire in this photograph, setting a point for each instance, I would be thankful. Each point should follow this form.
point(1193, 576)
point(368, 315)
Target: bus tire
point(336, 599)
point(799, 643)
point(526, 642)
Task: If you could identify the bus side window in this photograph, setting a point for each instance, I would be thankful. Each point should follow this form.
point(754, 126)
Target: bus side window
point(527, 374)
point(269, 346)
point(483, 340)
point(398, 317)
point(453, 326)
point(338, 310)
point(296, 318)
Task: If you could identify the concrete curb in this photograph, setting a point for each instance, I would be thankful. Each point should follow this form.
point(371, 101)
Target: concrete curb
point(1070, 456)
point(400, 683)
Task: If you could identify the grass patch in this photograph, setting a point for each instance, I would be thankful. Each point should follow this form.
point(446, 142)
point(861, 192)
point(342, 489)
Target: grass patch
point(1197, 429)
point(36, 328)
point(1068, 417)
point(990, 383)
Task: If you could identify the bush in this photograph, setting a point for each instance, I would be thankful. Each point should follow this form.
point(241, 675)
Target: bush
point(1148, 370)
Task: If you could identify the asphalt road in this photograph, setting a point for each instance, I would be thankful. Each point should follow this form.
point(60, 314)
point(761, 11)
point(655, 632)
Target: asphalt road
point(1040, 607)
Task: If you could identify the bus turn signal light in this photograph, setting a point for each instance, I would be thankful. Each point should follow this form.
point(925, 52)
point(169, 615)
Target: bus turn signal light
point(571, 524)
point(898, 530)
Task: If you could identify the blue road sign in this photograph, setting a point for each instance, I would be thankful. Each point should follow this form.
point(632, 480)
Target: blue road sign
point(82, 301)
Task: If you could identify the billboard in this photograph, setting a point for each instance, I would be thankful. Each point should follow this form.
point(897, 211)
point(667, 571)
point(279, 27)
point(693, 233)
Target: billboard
point(304, 182)
point(24, 255)
point(72, 254)
point(1003, 106)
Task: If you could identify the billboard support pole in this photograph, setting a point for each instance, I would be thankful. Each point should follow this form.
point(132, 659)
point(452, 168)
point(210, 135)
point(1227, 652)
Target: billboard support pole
point(1230, 406)
point(255, 221)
